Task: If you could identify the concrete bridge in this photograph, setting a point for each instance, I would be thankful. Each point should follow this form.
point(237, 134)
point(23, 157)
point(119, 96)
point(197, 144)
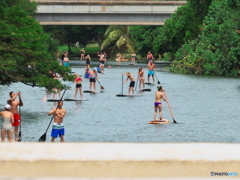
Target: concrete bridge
point(78, 12)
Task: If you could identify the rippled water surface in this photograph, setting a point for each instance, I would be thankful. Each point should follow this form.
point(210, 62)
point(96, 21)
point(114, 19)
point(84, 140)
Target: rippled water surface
point(206, 109)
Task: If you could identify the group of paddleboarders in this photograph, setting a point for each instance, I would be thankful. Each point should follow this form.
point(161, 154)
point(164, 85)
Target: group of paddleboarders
point(11, 118)
point(159, 94)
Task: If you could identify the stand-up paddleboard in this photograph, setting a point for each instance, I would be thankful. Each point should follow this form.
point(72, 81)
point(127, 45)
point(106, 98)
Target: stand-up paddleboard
point(88, 91)
point(157, 121)
point(83, 99)
point(125, 95)
point(140, 90)
point(149, 83)
point(53, 100)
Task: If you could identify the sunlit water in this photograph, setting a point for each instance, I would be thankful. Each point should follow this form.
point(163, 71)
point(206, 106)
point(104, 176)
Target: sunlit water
point(206, 110)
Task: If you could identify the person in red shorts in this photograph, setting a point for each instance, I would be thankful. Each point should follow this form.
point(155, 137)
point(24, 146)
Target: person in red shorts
point(14, 109)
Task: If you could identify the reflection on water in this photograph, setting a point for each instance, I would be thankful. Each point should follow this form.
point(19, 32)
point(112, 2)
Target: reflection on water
point(206, 109)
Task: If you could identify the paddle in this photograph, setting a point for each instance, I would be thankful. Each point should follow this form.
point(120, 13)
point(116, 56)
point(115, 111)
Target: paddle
point(20, 132)
point(122, 84)
point(100, 84)
point(170, 110)
point(157, 78)
point(44, 136)
point(136, 84)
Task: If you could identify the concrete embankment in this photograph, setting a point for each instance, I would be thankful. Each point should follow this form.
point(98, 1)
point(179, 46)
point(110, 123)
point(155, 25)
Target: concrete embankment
point(119, 160)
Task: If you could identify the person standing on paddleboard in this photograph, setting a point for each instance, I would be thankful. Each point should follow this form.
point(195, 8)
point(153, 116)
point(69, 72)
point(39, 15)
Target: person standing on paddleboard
point(132, 83)
point(8, 120)
point(58, 128)
point(151, 69)
point(14, 109)
point(78, 82)
point(92, 79)
point(141, 78)
point(159, 95)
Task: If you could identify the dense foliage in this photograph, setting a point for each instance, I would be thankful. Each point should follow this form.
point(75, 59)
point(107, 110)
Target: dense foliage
point(71, 34)
point(216, 51)
point(202, 37)
point(143, 38)
point(117, 38)
point(25, 48)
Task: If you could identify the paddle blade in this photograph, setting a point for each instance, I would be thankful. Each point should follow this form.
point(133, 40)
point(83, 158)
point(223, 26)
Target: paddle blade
point(102, 87)
point(20, 136)
point(174, 120)
point(159, 82)
point(42, 138)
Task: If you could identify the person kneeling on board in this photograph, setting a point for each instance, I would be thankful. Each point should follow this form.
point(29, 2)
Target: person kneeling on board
point(159, 95)
point(132, 83)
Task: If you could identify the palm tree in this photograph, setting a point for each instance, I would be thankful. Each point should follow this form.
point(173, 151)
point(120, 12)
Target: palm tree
point(117, 37)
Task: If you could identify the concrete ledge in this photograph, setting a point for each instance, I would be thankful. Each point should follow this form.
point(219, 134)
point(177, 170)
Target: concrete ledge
point(111, 2)
point(117, 160)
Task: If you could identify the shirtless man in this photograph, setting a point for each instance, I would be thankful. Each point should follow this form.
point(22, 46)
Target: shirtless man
point(58, 127)
point(132, 83)
point(14, 109)
point(151, 69)
point(159, 95)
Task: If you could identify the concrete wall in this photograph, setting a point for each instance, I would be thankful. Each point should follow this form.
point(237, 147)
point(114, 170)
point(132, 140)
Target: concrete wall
point(105, 12)
point(118, 160)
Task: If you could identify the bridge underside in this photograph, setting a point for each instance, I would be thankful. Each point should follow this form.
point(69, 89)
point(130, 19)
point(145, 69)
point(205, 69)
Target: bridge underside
point(102, 19)
point(79, 12)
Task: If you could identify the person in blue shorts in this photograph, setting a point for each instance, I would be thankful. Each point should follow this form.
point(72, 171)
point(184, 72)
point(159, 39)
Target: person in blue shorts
point(57, 127)
point(151, 69)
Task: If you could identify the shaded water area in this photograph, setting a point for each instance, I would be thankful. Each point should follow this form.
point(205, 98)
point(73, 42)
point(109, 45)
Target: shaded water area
point(206, 109)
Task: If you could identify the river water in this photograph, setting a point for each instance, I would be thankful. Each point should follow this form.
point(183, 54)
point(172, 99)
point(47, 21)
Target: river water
point(206, 109)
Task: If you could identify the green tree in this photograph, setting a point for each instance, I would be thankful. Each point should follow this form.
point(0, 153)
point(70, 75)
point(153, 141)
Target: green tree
point(184, 25)
point(217, 49)
point(117, 37)
point(200, 7)
point(143, 37)
point(71, 34)
point(24, 49)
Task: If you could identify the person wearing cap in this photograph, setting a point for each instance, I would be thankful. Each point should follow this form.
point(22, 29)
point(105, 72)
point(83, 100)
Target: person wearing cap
point(8, 119)
point(14, 109)
point(159, 95)
point(132, 82)
point(58, 127)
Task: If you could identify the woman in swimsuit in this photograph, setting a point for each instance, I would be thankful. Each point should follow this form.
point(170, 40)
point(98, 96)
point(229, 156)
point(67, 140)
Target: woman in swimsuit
point(82, 51)
point(141, 77)
point(8, 119)
point(88, 60)
point(159, 95)
point(102, 61)
point(78, 82)
point(93, 78)
point(133, 58)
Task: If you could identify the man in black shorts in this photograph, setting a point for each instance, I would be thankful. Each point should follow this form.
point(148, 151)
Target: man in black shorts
point(132, 83)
